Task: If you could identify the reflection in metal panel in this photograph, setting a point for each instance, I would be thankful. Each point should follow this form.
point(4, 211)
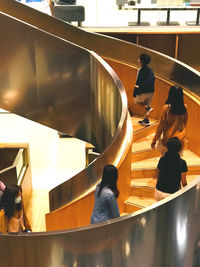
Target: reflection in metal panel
point(63, 86)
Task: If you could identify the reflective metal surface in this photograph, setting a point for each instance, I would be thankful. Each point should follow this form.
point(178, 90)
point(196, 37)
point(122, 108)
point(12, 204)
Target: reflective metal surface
point(164, 67)
point(167, 234)
point(65, 87)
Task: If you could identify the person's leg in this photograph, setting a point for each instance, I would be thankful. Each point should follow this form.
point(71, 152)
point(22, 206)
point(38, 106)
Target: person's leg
point(141, 100)
point(158, 194)
point(147, 101)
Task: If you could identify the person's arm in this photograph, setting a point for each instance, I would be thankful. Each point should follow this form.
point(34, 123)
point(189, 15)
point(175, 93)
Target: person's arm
point(184, 169)
point(183, 179)
point(157, 172)
point(141, 78)
point(2, 186)
point(114, 209)
point(161, 127)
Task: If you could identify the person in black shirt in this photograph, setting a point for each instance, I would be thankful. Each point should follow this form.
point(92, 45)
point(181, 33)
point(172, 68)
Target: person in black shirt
point(171, 170)
point(144, 87)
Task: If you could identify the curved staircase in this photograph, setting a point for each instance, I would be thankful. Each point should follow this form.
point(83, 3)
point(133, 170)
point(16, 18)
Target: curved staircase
point(144, 166)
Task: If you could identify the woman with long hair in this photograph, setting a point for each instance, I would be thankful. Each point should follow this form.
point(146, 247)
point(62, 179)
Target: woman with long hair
point(171, 170)
point(173, 120)
point(12, 215)
point(106, 194)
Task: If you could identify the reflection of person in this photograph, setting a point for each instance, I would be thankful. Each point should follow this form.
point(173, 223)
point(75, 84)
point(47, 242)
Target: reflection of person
point(12, 216)
point(171, 170)
point(144, 87)
point(173, 119)
point(106, 192)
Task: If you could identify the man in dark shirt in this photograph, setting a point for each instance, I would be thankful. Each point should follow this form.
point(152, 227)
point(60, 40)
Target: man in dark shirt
point(144, 88)
point(172, 170)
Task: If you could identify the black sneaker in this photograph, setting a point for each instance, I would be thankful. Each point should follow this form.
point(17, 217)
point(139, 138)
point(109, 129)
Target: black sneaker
point(148, 110)
point(144, 122)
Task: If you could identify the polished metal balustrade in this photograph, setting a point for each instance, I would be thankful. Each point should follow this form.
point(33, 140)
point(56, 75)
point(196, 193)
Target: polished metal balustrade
point(67, 88)
point(63, 86)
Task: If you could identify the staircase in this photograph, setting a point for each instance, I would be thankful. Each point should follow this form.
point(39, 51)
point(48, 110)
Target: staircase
point(144, 166)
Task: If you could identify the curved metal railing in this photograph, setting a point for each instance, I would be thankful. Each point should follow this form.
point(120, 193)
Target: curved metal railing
point(66, 88)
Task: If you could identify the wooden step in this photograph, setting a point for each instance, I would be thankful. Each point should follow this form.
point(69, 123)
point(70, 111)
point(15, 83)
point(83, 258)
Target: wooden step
point(142, 191)
point(151, 182)
point(123, 214)
point(144, 154)
point(140, 131)
point(191, 178)
point(145, 187)
point(137, 202)
point(143, 132)
point(144, 143)
point(134, 202)
point(139, 173)
point(137, 126)
point(193, 170)
point(144, 182)
point(129, 208)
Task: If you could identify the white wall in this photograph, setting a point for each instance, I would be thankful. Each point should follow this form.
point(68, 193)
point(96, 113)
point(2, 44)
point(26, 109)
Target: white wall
point(53, 159)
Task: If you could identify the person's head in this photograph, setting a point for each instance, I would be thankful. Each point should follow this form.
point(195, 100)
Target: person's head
point(144, 59)
point(109, 179)
point(175, 99)
point(11, 199)
point(174, 145)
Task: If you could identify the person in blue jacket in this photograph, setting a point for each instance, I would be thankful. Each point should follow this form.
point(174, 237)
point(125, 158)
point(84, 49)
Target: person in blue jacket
point(106, 194)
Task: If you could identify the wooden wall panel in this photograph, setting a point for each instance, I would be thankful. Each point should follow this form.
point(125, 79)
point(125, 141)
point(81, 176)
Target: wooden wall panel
point(123, 36)
point(164, 43)
point(193, 125)
point(74, 215)
point(188, 49)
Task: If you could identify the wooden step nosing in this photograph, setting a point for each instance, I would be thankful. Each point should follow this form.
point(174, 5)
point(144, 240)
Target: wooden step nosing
point(153, 124)
point(142, 186)
point(142, 151)
point(144, 169)
point(134, 204)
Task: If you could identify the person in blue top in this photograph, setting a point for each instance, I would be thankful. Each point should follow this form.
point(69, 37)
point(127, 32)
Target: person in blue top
point(144, 87)
point(106, 194)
